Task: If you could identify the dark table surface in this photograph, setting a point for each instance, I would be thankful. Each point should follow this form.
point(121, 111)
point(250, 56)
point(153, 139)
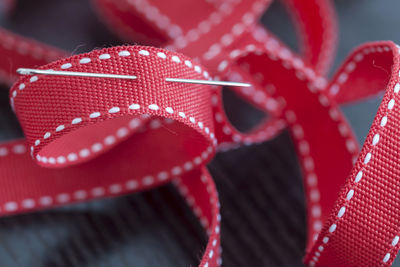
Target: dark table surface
point(263, 211)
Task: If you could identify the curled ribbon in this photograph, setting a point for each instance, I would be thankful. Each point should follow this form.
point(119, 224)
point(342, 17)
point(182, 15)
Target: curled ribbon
point(91, 137)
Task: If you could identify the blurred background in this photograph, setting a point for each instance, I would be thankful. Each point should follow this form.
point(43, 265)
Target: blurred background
point(263, 211)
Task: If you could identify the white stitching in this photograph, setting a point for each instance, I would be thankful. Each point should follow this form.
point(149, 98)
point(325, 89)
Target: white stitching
point(314, 193)
point(12, 206)
point(85, 60)
point(111, 139)
point(153, 14)
point(190, 200)
point(144, 52)
point(76, 121)
point(335, 88)
point(368, 156)
point(204, 26)
point(66, 66)
point(155, 107)
point(123, 53)
point(115, 188)
point(308, 162)
point(311, 177)
point(18, 149)
point(11, 42)
point(114, 110)
point(104, 56)
point(237, 29)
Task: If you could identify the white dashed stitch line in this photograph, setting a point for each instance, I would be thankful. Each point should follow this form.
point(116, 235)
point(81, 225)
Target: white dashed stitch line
point(60, 128)
point(199, 213)
point(124, 53)
point(367, 158)
point(28, 203)
point(344, 131)
point(341, 212)
point(144, 52)
point(33, 79)
point(122, 132)
point(47, 200)
point(61, 160)
point(114, 110)
point(84, 153)
point(204, 26)
point(222, 66)
point(98, 191)
point(66, 66)
point(63, 198)
point(386, 258)
point(16, 149)
point(332, 228)
point(395, 240)
point(19, 149)
point(169, 110)
point(390, 104)
point(375, 141)
point(131, 185)
point(350, 67)
point(27, 49)
point(96, 147)
point(109, 140)
point(76, 121)
point(176, 59)
point(148, 180)
point(134, 106)
point(161, 21)
point(94, 115)
point(188, 63)
point(154, 107)
point(115, 188)
point(287, 54)
point(104, 56)
point(197, 69)
point(308, 168)
point(358, 176)
point(396, 88)
point(80, 194)
point(383, 121)
point(11, 206)
point(85, 60)
point(161, 55)
point(350, 194)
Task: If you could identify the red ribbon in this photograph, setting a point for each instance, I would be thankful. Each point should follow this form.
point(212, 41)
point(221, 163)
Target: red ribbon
point(105, 137)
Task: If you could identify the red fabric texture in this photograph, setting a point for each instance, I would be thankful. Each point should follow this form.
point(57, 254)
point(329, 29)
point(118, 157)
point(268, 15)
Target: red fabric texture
point(89, 137)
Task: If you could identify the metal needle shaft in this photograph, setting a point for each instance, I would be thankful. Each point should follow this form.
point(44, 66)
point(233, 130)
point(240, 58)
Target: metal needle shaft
point(221, 83)
point(26, 71)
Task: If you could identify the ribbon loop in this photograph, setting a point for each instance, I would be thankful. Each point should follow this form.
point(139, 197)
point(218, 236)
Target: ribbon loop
point(70, 120)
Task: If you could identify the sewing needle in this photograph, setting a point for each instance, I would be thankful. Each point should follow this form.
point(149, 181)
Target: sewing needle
point(26, 71)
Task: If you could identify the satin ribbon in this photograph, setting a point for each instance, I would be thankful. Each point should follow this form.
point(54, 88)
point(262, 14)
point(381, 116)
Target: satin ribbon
point(88, 137)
